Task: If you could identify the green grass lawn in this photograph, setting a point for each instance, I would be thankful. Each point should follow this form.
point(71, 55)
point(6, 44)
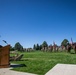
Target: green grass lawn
point(41, 62)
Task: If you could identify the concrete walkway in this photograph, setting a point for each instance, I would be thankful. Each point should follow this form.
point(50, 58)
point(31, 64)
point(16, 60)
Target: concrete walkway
point(59, 69)
point(7, 71)
point(62, 69)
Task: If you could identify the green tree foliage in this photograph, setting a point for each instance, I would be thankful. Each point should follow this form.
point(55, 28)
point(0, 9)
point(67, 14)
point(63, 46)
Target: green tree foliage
point(36, 47)
point(40, 47)
point(44, 44)
point(11, 48)
point(18, 47)
point(64, 42)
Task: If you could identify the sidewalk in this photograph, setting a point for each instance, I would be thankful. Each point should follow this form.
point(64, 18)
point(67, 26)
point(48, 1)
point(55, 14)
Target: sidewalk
point(7, 71)
point(62, 69)
point(59, 69)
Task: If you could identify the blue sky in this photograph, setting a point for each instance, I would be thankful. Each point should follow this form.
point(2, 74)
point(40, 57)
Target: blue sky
point(34, 21)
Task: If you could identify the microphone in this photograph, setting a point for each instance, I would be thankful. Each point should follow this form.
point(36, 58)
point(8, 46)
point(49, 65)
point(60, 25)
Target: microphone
point(5, 42)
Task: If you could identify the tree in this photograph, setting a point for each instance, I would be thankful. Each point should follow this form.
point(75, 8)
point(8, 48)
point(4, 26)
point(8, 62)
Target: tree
point(11, 48)
point(37, 47)
point(40, 47)
point(18, 46)
point(64, 42)
point(34, 47)
point(44, 44)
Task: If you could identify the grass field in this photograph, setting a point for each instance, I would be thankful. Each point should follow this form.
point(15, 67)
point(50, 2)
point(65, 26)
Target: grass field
point(41, 62)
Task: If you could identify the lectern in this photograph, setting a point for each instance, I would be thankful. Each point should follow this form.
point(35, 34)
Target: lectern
point(5, 56)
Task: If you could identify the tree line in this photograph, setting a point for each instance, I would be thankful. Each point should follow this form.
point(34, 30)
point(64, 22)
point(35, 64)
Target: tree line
point(19, 47)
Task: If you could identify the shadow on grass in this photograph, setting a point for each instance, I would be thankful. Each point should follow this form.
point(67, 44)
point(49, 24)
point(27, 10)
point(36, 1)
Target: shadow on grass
point(17, 65)
point(21, 60)
point(72, 53)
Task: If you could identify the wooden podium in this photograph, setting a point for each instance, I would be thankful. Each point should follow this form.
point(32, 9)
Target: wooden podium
point(4, 56)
